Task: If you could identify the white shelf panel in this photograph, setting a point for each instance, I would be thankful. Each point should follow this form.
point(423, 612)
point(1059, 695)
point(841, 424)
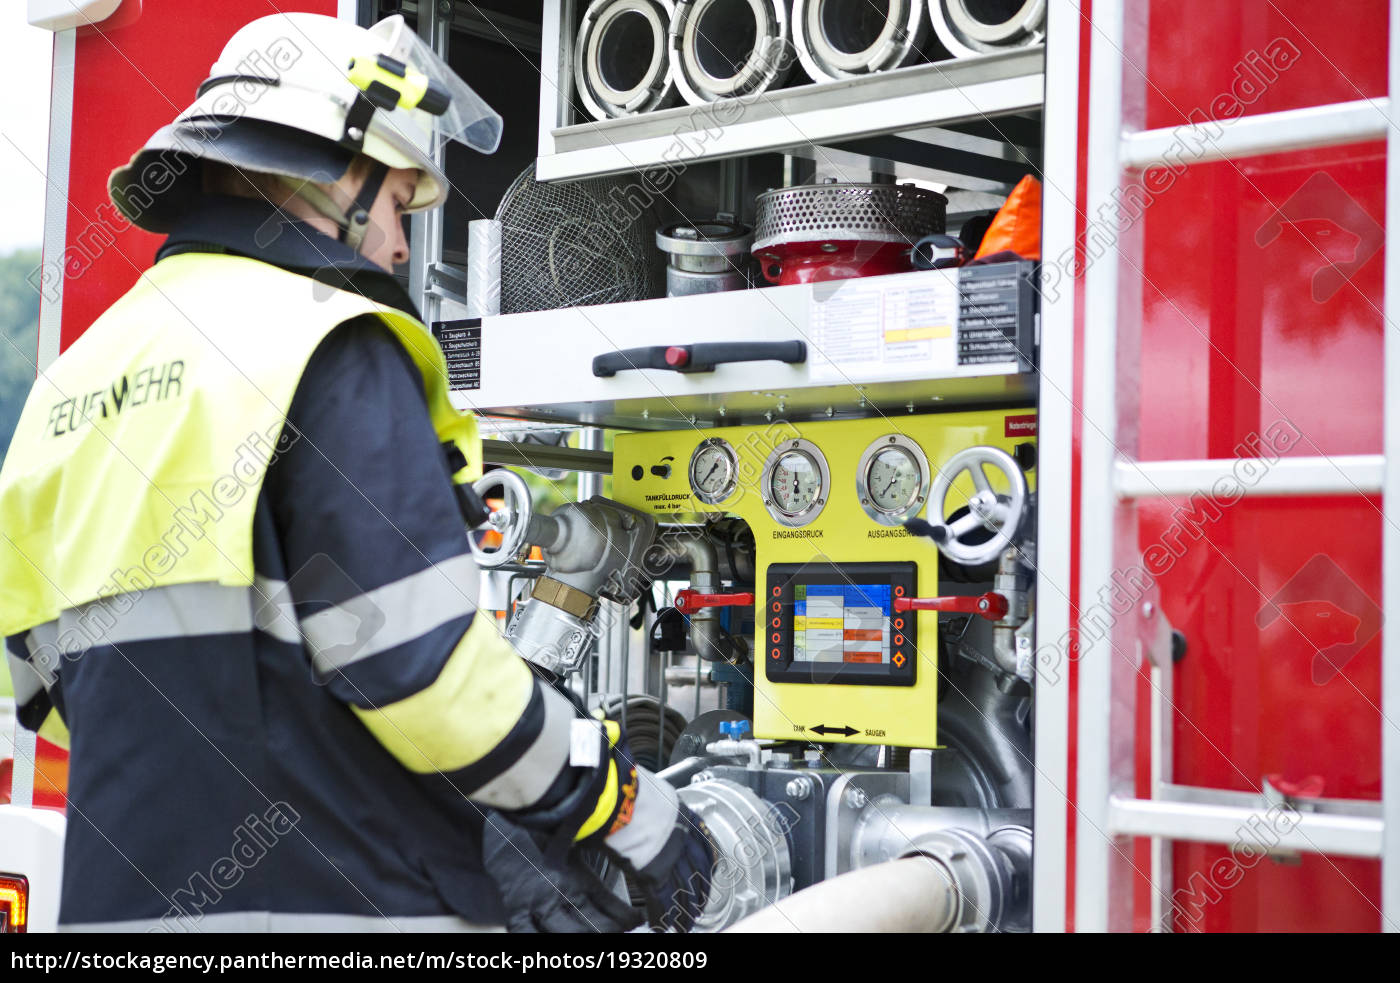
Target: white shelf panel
point(801, 117)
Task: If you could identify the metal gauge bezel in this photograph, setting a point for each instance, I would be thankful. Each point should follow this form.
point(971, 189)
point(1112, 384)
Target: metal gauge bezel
point(814, 453)
point(867, 461)
point(731, 482)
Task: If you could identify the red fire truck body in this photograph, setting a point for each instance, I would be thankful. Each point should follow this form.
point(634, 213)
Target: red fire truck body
point(1256, 287)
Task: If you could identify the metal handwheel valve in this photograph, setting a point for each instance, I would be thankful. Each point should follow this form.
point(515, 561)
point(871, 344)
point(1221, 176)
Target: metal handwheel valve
point(511, 520)
point(999, 514)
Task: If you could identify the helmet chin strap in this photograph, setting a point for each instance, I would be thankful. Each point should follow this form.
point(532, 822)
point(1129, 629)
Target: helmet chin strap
point(353, 223)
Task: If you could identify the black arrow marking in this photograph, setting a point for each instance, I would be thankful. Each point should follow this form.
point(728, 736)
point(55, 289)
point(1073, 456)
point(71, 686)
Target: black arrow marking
point(824, 729)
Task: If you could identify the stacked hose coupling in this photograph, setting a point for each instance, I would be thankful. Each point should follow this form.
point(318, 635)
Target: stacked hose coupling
point(638, 56)
point(705, 257)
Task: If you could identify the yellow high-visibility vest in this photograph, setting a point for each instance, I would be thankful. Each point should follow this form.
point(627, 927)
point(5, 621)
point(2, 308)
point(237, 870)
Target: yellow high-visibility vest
point(165, 415)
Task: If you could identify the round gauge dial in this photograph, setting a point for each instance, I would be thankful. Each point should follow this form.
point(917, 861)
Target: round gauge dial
point(892, 479)
point(795, 482)
point(714, 471)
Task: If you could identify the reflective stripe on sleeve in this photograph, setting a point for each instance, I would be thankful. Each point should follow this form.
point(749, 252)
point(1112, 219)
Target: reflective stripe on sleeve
point(403, 610)
point(473, 705)
point(273, 612)
point(176, 611)
point(530, 776)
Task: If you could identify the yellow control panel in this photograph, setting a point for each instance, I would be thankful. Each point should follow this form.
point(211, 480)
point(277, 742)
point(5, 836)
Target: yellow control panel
point(826, 502)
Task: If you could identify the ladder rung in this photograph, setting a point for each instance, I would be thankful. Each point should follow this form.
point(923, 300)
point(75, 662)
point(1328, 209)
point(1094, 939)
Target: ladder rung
point(1269, 827)
point(1347, 474)
point(1263, 133)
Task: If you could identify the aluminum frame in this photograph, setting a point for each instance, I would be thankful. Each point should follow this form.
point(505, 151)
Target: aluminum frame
point(1054, 486)
point(1261, 133)
point(1350, 474)
point(1390, 514)
point(1108, 811)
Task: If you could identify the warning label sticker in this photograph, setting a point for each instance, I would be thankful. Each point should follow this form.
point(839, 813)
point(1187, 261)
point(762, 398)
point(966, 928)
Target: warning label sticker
point(863, 328)
point(1021, 426)
point(460, 342)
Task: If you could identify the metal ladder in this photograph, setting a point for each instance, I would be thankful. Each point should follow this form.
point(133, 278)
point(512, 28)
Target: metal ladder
point(1109, 813)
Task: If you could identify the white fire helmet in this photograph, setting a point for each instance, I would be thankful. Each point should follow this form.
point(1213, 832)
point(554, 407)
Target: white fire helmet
point(299, 96)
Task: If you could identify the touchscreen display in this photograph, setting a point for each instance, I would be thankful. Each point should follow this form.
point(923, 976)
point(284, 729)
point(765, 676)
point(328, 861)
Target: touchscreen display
point(835, 624)
point(841, 623)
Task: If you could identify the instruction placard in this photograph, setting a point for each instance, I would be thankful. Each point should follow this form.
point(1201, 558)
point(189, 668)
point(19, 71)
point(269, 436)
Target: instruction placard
point(861, 328)
point(460, 342)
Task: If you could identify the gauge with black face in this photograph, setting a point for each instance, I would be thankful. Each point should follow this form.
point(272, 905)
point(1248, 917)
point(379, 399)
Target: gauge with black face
point(892, 479)
point(796, 482)
point(714, 470)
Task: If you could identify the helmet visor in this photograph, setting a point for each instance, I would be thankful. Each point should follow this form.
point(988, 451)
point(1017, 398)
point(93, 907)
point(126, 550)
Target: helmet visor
point(467, 118)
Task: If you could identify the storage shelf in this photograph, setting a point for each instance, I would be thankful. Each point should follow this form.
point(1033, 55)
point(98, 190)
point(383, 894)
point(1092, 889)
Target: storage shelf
point(891, 345)
point(802, 118)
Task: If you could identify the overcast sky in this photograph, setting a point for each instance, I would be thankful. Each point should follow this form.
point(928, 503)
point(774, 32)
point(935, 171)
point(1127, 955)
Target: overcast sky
point(27, 54)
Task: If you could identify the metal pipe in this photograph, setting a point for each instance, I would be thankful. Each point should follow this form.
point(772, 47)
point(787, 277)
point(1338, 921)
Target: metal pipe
point(914, 894)
point(691, 545)
point(894, 829)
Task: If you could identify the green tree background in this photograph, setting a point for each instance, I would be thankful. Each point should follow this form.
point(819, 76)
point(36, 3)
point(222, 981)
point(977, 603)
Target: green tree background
point(19, 325)
point(19, 337)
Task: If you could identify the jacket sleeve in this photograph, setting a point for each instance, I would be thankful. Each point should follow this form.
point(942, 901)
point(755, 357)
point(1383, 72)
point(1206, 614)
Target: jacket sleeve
point(385, 588)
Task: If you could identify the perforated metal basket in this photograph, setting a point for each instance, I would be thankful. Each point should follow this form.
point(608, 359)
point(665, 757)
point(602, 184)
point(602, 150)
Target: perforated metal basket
point(867, 212)
point(575, 243)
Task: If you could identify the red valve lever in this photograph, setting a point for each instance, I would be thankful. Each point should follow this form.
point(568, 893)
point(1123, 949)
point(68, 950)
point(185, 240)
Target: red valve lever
point(689, 600)
point(990, 605)
point(1306, 788)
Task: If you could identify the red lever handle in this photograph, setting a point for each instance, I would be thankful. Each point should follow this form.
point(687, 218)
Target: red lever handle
point(990, 605)
point(689, 600)
point(1305, 788)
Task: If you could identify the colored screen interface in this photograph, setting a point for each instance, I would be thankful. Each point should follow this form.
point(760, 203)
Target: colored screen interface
point(842, 623)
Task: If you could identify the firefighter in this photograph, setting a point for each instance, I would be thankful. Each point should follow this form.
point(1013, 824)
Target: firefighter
point(235, 563)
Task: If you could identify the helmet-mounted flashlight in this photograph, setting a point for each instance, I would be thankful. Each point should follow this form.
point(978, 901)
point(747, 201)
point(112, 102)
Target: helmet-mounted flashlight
point(389, 83)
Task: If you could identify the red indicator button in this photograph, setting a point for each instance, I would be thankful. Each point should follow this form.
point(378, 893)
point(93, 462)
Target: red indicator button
point(677, 357)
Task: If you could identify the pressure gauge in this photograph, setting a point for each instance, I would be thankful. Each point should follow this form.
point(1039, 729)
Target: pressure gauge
point(892, 479)
point(714, 470)
point(796, 482)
